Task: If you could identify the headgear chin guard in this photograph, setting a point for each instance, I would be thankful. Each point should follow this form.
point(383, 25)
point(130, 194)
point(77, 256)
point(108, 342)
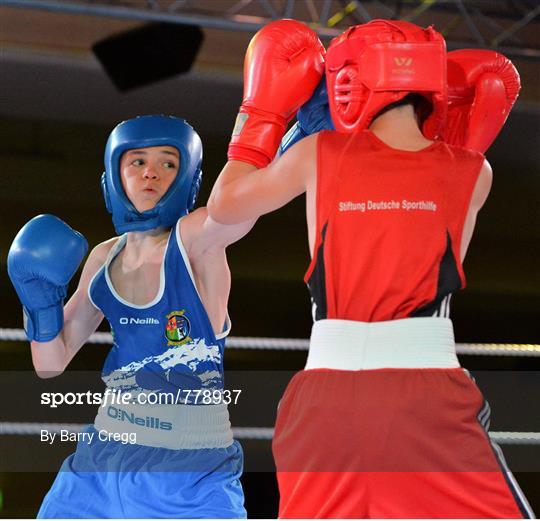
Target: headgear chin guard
point(378, 63)
point(151, 131)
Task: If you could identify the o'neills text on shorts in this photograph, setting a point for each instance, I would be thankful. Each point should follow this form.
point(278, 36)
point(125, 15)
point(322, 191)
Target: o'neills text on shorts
point(404, 204)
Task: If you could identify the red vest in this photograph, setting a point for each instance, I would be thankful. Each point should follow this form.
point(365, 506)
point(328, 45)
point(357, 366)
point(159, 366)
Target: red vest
point(389, 226)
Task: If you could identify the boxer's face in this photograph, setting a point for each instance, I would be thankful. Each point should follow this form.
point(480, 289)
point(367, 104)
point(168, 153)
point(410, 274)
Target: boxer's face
point(147, 173)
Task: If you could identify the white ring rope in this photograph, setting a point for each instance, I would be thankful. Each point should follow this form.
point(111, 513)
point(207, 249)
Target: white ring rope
point(300, 344)
point(243, 433)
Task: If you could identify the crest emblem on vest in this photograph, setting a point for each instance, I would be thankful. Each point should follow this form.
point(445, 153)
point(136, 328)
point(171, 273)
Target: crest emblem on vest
point(178, 328)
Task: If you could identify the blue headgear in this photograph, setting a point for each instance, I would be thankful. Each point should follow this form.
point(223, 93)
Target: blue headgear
point(151, 131)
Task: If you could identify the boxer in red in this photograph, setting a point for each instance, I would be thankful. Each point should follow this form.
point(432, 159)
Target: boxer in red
point(383, 422)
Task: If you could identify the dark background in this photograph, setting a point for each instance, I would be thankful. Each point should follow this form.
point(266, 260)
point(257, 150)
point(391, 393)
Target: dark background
point(57, 108)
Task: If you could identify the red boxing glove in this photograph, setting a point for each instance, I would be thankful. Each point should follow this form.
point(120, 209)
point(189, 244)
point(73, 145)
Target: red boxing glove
point(482, 88)
point(284, 63)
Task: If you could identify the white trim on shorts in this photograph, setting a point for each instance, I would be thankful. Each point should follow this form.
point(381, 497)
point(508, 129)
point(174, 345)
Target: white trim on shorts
point(423, 342)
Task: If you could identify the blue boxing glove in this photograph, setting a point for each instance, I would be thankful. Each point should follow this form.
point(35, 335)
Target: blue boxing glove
point(43, 258)
point(313, 116)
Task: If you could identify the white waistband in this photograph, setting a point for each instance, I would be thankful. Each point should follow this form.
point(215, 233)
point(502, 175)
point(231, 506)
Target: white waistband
point(407, 343)
point(171, 426)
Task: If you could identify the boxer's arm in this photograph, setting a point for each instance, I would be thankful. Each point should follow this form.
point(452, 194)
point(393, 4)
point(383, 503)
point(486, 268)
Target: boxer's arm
point(242, 192)
point(201, 234)
point(81, 319)
point(478, 198)
point(205, 241)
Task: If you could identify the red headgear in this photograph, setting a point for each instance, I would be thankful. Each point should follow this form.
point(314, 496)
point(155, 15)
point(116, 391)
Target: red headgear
point(373, 65)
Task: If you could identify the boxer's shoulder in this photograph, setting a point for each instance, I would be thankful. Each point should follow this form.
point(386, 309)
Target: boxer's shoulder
point(100, 252)
point(191, 226)
point(97, 258)
point(464, 154)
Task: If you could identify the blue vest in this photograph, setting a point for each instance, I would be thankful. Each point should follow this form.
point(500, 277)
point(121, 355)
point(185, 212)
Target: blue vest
point(167, 344)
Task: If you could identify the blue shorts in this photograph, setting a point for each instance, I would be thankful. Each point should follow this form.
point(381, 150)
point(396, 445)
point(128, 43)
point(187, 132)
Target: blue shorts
point(109, 479)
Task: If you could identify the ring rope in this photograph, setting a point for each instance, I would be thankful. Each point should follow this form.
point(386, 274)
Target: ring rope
point(300, 344)
point(245, 433)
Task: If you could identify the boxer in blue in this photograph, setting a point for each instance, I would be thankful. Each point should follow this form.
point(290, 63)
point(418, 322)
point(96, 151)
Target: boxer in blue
point(163, 285)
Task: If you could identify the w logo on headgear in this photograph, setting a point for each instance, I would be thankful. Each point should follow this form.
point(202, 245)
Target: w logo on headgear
point(403, 61)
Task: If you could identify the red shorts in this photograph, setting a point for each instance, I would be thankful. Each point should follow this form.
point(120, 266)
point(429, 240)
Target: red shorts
point(390, 443)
